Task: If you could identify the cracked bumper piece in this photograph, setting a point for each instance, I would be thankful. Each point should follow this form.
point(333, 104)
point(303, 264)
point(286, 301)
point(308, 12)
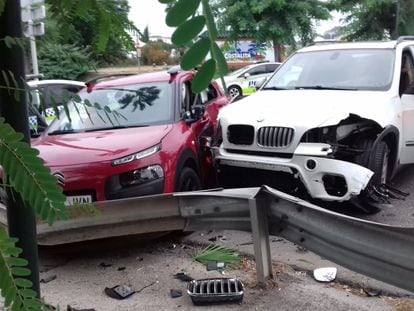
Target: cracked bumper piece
point(324, 178)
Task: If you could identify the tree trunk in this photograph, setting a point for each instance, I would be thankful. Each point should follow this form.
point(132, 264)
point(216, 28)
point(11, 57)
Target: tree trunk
point(276, 50)
point(21, 218)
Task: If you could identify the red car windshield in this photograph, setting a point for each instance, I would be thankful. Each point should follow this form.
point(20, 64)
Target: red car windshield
point(117, 107)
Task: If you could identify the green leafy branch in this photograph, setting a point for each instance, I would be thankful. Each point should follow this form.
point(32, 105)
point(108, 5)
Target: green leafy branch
point(184, 15)
point(218, 253)
point(15, 289)
point(28, 175)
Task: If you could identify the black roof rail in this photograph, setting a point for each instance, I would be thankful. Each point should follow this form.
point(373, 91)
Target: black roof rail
point(404, 38)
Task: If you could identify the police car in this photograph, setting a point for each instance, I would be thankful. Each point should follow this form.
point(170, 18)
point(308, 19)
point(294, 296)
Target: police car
point(243, 81)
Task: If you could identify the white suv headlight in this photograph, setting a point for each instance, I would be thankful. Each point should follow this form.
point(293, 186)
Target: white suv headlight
point(137, 156)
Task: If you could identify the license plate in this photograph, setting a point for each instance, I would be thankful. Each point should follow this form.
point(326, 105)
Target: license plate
point(78, 199)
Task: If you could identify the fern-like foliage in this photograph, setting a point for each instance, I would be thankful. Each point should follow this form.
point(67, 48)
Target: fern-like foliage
point(27, 175)
point(14, 287)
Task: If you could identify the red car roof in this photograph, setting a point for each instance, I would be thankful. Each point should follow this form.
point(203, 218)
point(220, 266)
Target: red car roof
point(158, 76)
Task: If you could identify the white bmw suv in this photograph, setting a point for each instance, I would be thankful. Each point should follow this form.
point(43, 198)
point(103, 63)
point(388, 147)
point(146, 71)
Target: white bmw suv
point(333, 123)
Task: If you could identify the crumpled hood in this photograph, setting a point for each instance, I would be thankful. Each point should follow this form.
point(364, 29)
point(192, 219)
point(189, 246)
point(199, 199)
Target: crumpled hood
point(100, 146)
point(307, 108)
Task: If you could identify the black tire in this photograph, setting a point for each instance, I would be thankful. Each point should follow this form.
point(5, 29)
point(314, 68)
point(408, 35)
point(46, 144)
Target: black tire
point(188, 181)
point(235, 91)
point(376, 160)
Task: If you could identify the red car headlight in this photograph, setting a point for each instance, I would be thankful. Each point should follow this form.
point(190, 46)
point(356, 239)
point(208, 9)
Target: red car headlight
point(137, 156)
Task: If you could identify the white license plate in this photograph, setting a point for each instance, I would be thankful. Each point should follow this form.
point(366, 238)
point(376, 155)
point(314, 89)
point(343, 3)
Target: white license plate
point(78, 199)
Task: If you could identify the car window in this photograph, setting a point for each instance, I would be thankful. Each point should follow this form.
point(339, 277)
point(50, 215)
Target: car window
point(407, 74)
point(271, 67)
point(55, 93)
point(132, 105)
point(258, 70)
point(360, 69)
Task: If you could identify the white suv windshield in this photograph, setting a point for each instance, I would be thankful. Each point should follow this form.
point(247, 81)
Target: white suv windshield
point(348, 69)
point(117, 107)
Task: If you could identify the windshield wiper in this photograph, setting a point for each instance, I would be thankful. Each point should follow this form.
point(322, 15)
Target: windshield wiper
point(115, 127)
point(68, 131)
point(321, 87)
point(275, 88)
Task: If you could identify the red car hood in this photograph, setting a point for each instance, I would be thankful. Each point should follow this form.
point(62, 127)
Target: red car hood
point(100, 146)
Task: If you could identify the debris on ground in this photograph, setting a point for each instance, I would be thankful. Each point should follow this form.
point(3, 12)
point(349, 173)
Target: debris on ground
point(215, 265)
point(218, 253)
point(183, 277)
point(124, 291)
point(105, 265)
point(175, 293)
point(371, 292)
point(325, 274)
point(301, 250)
point(217, 290)
point(119, 291)
point(121, 268)
point(48, 278)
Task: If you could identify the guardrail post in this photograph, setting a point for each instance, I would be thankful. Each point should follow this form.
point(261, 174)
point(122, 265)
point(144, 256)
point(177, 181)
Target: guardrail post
point(260, 229)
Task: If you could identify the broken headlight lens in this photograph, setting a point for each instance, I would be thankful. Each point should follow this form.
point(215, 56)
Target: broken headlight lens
point(325, 134)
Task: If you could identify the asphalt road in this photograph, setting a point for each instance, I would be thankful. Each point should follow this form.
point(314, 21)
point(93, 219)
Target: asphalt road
point(401, 213)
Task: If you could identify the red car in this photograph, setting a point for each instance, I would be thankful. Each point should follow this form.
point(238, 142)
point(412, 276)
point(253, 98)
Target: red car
point(132, 136)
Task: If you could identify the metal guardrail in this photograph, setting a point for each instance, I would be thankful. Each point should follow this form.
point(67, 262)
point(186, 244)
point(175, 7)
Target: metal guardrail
point(380, 251)
point(377, 250)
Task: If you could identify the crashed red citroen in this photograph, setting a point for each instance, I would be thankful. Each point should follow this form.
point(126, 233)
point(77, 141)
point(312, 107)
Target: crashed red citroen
point(133, 136)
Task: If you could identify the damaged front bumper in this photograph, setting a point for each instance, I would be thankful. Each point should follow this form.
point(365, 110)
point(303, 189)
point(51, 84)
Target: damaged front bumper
point(324, 178)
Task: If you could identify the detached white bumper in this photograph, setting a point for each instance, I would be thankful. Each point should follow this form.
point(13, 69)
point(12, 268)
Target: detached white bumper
point(311, 164)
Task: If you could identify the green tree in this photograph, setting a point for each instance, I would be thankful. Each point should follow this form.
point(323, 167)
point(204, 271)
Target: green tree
point(376, 20)
point(276, 21)
point(102, 25)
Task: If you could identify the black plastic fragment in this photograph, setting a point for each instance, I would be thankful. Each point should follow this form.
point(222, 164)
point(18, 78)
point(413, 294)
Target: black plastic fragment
point(183, 277)
point(175, 293)
point(119, 292)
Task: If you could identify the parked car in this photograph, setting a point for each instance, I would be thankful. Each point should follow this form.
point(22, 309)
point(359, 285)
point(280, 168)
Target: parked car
point(243, 81)
point(137, 135)
point(52, 91)
point(336, 120)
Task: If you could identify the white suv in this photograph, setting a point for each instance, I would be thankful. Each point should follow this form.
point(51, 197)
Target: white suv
point(335, 121)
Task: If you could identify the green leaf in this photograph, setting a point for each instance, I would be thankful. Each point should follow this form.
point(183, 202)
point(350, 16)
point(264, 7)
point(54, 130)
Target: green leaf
point(19, 271)
point(195, 54)
point(181, 11)
point(204, 75)
point(23, 283)
point(165, 1)
point(17, 262)
point(28, 293)
point(188, 30)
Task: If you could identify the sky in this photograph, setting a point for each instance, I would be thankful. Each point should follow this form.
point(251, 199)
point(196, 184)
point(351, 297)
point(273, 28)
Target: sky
point(151, 13)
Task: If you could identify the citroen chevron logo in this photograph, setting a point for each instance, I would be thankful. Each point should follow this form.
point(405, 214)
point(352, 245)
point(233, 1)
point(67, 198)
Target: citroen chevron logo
point(60, 178)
